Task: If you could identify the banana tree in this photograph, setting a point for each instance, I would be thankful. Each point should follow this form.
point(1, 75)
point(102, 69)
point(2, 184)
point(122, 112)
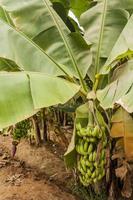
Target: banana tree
point(42, 62)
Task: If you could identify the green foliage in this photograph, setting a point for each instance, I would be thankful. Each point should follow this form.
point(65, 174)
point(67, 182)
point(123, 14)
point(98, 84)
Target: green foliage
point(120, 90)
point(21, 129)
point(88, 193)
point(103, 24)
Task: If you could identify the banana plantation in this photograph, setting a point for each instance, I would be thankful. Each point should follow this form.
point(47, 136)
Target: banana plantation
point(66, 99)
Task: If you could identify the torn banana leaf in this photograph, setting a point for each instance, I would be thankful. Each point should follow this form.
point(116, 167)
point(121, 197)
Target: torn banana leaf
point(120, 90)
point(123, 127)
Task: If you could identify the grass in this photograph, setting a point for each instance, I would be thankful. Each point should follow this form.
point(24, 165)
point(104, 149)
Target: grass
point(88, 193)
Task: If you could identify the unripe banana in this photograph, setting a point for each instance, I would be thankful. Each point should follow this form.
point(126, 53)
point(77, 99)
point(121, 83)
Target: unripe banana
point(105, 143)
point(95, 164)
point(103, 173)
point(78, 133)
point(78, 126)
point(90, 148)
point(89, 172)
point(99, 177)
point(92, 139)
point(95, 131)
point(81, 148)
point(88, 163)
point(95, 180)
point(94, 156)
point(91, 168)
point(97, 172)
point(83, 132)
point(77, 148)
point(83, 165)
point(91, 157)
point(93, 175)
point(85, 146)
point(82, 171)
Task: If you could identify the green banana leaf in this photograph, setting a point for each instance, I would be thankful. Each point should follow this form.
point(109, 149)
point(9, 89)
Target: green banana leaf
point(24, 52)
point(103, 24)
point(123, 46)
point(23, 93)
point(120, 90)
point(82, 117)
point(38, 20)
point(79, 6)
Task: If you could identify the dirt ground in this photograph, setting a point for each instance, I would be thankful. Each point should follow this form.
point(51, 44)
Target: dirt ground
point(34, 174)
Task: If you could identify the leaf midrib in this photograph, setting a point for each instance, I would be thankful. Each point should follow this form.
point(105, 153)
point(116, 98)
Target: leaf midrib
point(65, 42)
point(100, 36)
point(21, 34)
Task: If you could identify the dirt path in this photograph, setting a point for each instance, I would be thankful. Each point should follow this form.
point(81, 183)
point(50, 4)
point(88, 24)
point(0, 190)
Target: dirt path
point(20, 180)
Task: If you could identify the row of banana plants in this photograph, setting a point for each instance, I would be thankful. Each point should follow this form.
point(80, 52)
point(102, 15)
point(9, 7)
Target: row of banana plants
point(48, 58)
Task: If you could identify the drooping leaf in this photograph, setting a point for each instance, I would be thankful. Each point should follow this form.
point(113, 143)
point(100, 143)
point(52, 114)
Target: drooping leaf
point(39, 21)
point(82, 117)
point(53, 90)
point(103, 24)
point(23, 93)
point(15, 99)
point(122, 126)
point(120, 89)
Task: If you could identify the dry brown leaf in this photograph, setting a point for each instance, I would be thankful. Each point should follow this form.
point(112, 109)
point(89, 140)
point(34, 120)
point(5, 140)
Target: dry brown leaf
point(116, 130)
point(99, 148)
point(121, 172)
point(112, 191)
point(123, 127)
point(107, 164)
point(127, 187)
point(117, 156)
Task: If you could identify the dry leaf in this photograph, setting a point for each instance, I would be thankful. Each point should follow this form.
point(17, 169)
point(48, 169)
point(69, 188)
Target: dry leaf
point(112, 191)
point(123, 127)
point(117, 156)
point(99, 148)
point(127, 187)
point(121, 172)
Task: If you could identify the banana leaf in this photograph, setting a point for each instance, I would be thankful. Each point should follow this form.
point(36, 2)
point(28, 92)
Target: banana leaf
point(39, 21)
point(120, 90)
point(23, 93)
point(122, 127)
point(103, 24)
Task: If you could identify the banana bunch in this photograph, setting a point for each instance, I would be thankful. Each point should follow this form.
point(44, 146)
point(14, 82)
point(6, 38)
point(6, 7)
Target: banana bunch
point(91, 166)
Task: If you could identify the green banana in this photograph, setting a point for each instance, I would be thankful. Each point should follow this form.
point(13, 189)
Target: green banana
point(92, 139)
point(85, 146)
point(95, 131)
point(78, 133)
point(89, 172)
point(93, 175)
point(90, 148)
point(83, 132)
point(94, 156)
point(78, 127)
point(89, 164)
point(83, 165)
point(91, 157)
